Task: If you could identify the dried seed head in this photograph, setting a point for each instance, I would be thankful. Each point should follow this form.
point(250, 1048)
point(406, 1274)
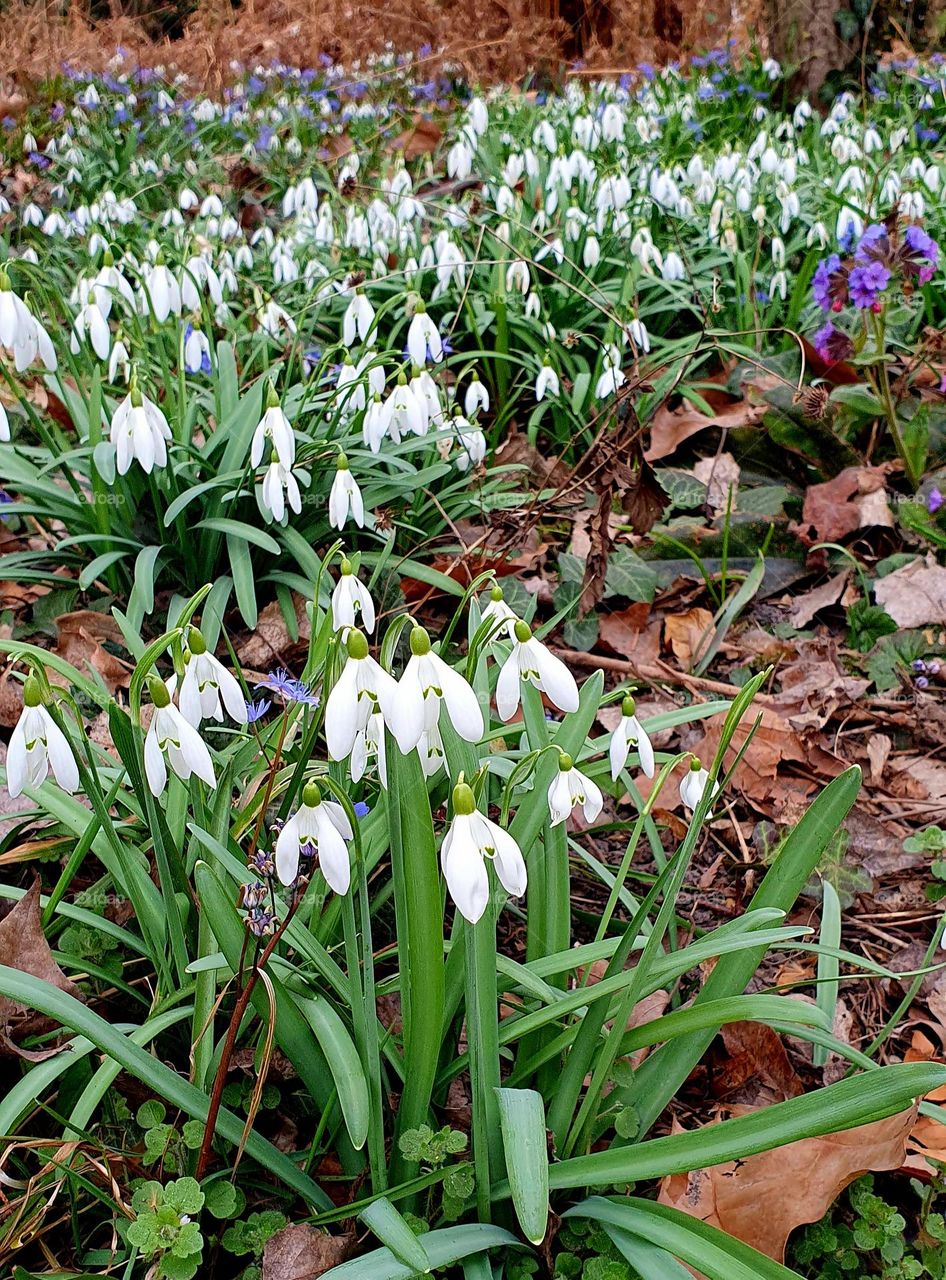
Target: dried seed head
point(814, 402)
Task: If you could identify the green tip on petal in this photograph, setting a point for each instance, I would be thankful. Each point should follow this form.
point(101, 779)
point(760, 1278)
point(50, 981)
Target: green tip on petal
point(311, 795)
point(522, 631)
point(464, 802)
point(196, 642)
point(565, 762)
point(628, 706)
point(357, 644)
point(32, 694)
point(420, 642)
point(159, 692)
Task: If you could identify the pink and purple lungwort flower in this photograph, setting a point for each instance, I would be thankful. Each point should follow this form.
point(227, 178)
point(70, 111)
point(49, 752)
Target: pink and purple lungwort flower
point(866, 283)
point(829, 284)
point(875, 263)
point(832, 345)
point(919, 254)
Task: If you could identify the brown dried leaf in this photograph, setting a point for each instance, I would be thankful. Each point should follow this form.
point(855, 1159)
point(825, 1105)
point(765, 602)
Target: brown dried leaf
point(302, 1252)
point(914, 596)
point(756, 1066)
point(721, 477)
point(669, 428)
point(688, 634)
point(854, 499)
point(642, 496)
point(821, 597)
point(81, 642)
point(271, 639)
point(747, 1198)
point(23, 946)
point(419, 140)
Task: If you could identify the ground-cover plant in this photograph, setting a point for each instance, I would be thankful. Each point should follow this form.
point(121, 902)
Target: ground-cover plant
point(208, 259)
point(357, 836)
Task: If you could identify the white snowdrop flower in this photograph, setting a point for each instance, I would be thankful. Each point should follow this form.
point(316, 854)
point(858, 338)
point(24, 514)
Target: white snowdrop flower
point(139, 431)
point(517, 276)
point(187, 199)
point(171, 735)
point(612, 122)
point(91, 324)
point(533, 306)
point(119, 363)
point(426, 390)
point(498, 613)
point(352, 605)
point(478, 116)
point(196, 348)
point(208, 687)
point(345, 499)
point(818, 235)
point(423, 338)
point(460, 160)
point(369, 742)
point(472, 839)
point(365, 689)
point(569, 788)
point(358, 322)
point(160, 292)
point(276, 429)
point(591, 253)
point(280, 490)
point(36, 744)
point(110, 284)
point(630, 730)
point(374, 425)
point(4, 426)
point(21, 334)
point(441, 686)
point(472, 443)
point(317, 828)
point(778, 285)
point(547, 381)
point(532, 662)
point(694, 784)
point(273, 320)
point(476, 397)
point(404, 411)
point(872, 140)
point(673, 268)
point(639, 335)
point(611, 377)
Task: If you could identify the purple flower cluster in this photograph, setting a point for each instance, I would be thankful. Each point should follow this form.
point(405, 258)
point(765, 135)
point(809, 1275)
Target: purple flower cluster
point(878, 256)
point(832, 344)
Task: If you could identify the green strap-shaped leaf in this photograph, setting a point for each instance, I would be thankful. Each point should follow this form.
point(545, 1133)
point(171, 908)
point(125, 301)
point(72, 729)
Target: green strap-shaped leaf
point(392, 1230)
point(441, 1247)
point(34, 993)
point(522, 1119)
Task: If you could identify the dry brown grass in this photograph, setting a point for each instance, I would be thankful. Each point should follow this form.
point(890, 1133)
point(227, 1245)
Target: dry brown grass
point(490, 39)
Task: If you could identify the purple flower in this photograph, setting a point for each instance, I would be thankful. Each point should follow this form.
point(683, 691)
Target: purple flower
point(832, 344)
point(289, 687)
point(934, 500)
point(256, 710)
point(919, 254)
point(866, 283)
point(873, 246)
point(829, 284)
point(361, 809)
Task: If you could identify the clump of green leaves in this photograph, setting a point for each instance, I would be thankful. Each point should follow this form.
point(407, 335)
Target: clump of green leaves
point(865, 1235)
point(931, 840)
point(164, 1143)
point(164, 1228)
point(433, 1148)
point(249, 1236)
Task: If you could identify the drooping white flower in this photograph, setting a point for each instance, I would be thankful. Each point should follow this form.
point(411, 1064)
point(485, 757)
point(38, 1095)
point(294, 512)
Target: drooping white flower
point(139, 431)
point(358, 321)
point(91, 323)
point(208, 687)
point(369, 742)
point(37, 743)
point(318, 828)
point(423, 338)
point(497, 612)
point(345, 498)
point(630, 730)
point(440, 686)
point(169, 734)
point(160, 292)
point(196, 350)
point(119, 363)
point(364, 689)
point(352, 605)
point(470, 841)
point(404, 411)
point(694, 784)
point(21, 334)
point(472, 443)
point(279, 490)
point(569, 788)
point(276, 429)
point(477, 397)
point(531, 661)
point(546, 381)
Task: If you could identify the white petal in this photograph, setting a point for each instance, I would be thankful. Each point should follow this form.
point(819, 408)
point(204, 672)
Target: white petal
point(63, 762)
point(287, 851)
point(155, 768)
point(507, 686)
point(463, 706)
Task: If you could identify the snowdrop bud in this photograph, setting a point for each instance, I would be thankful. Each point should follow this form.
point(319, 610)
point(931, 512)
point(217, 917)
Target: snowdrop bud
point(477, 396)
point(546, 381)
point(628, 731)
point(351, 602)
point(569, 788)
point(171, 735)
point(345, 497)
point(694, 784)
